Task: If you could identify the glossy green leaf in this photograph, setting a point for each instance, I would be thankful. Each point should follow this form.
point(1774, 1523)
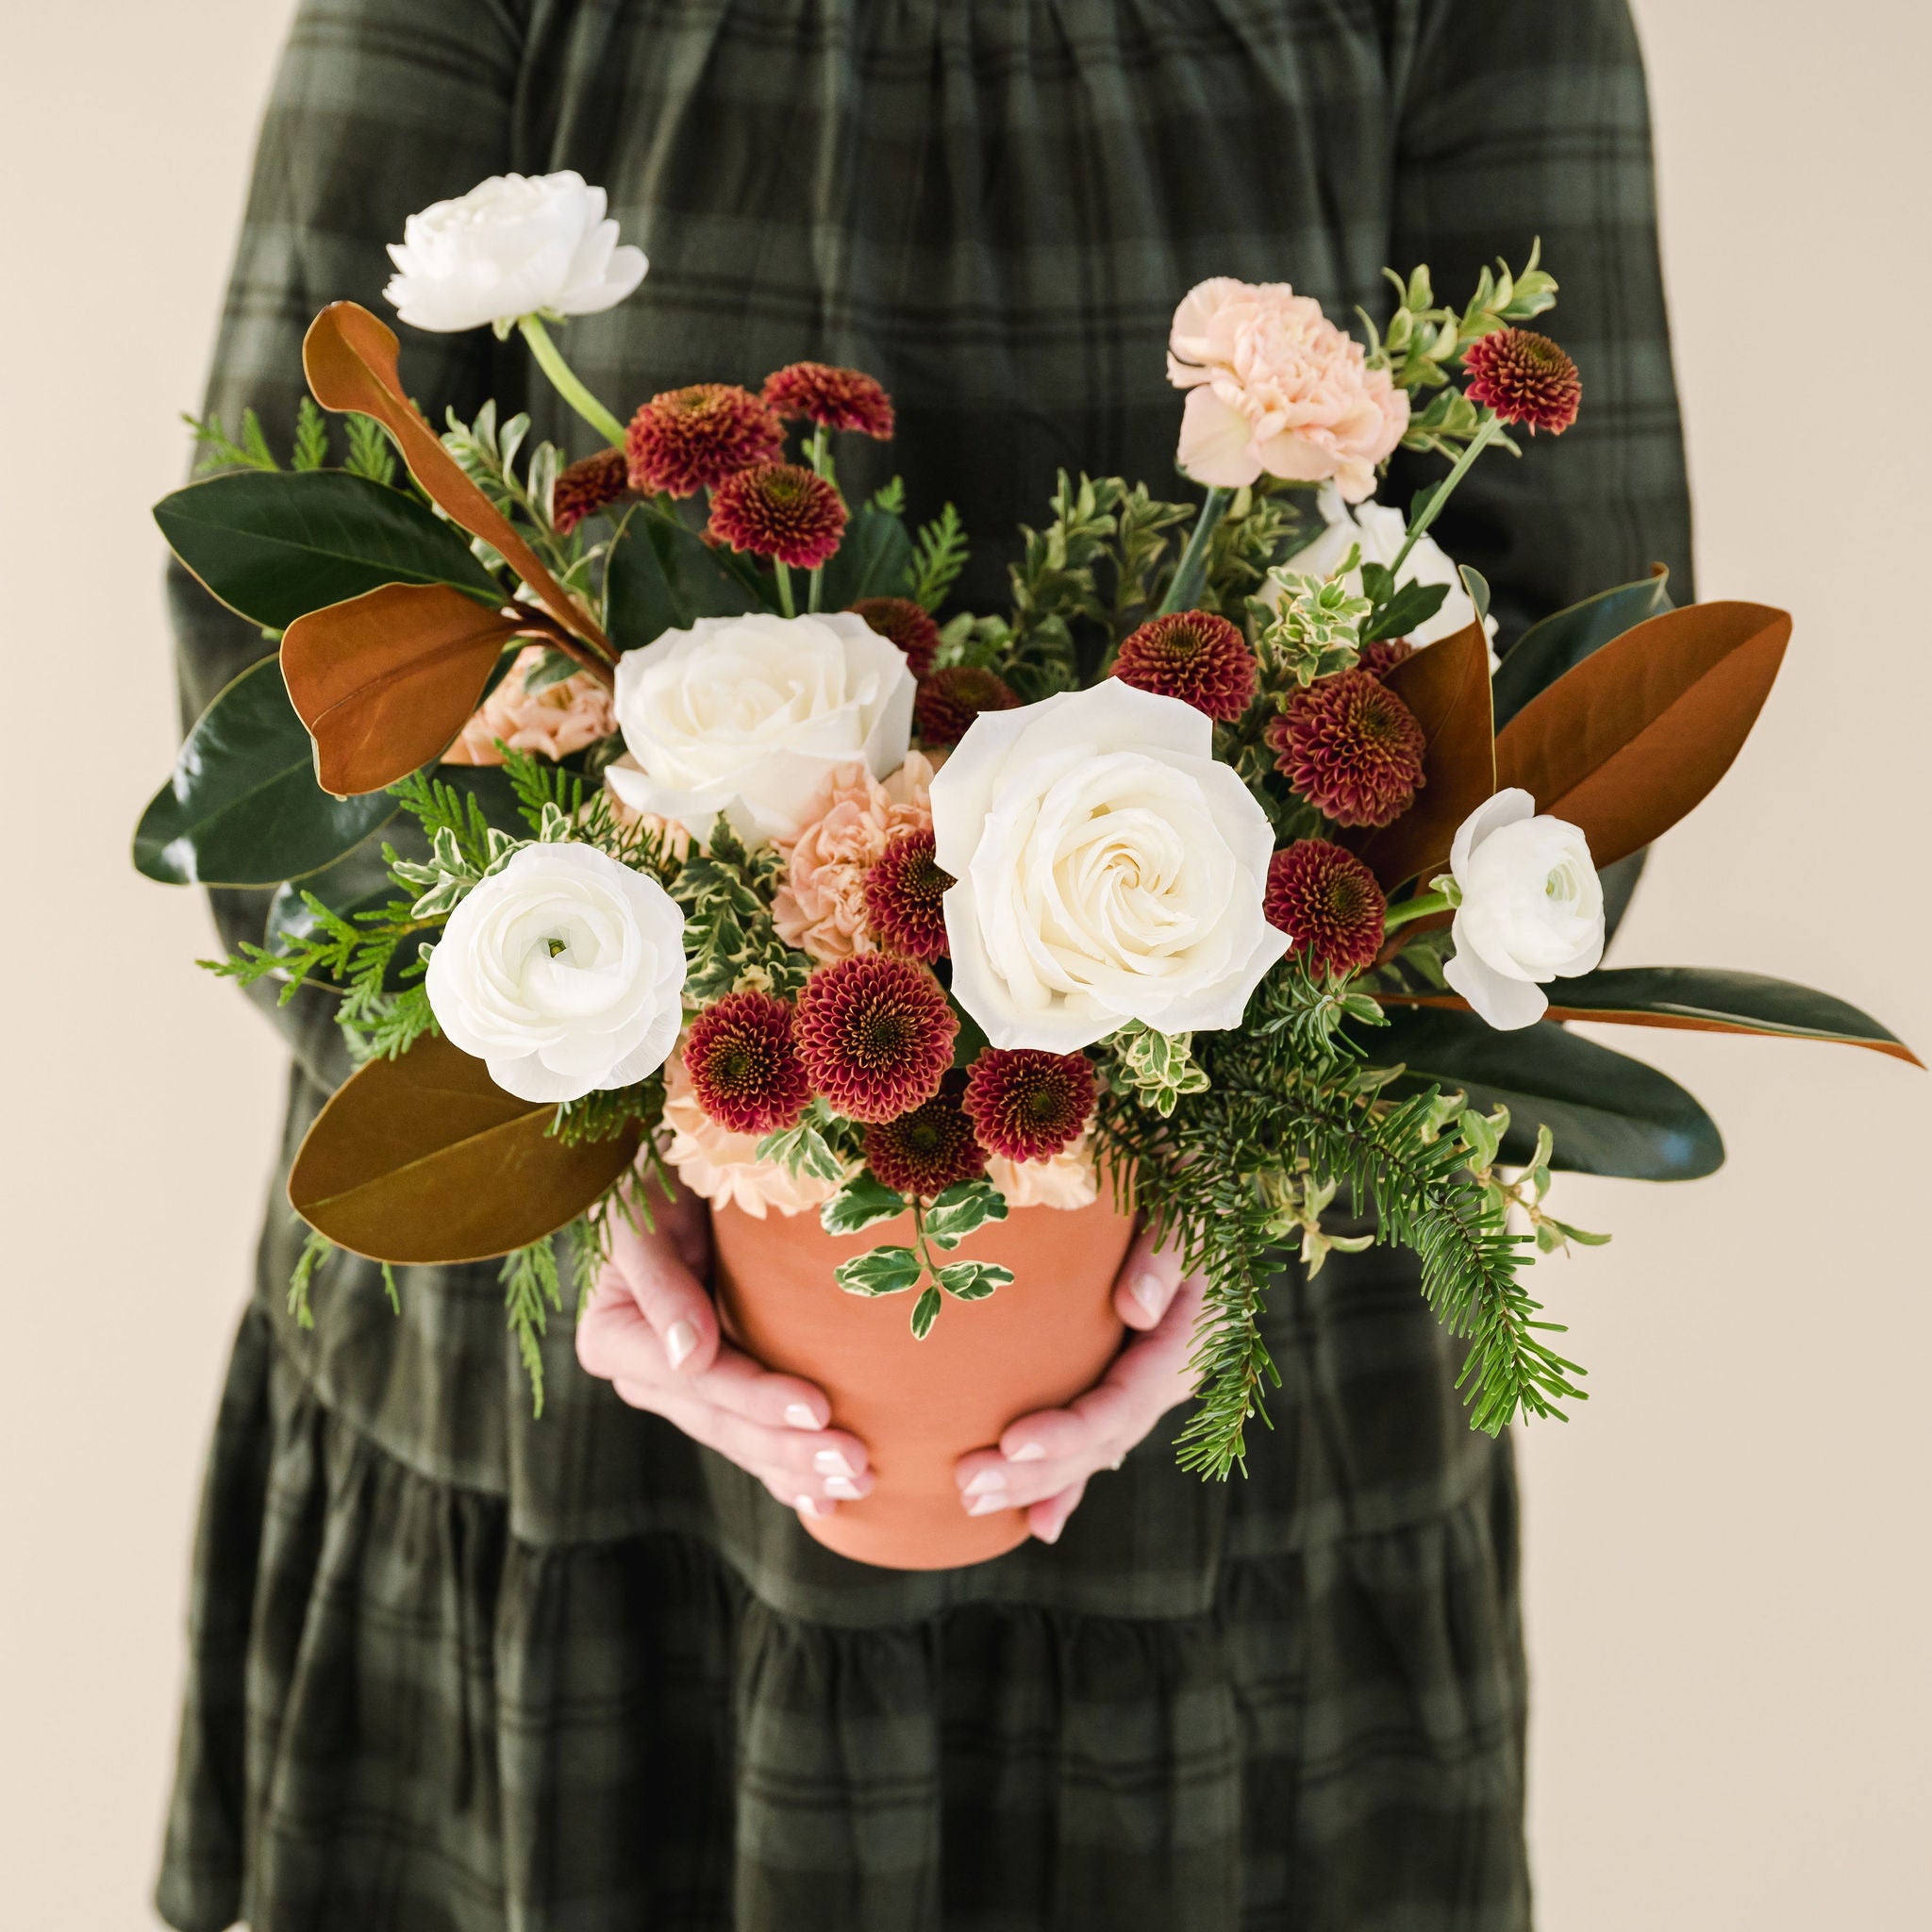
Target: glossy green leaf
point(879, 1271)
point(962, 1208)
point(925, 1311)
point(1563, 640)
point(242, 808)
point(874, 559)
point(661, 575)
point(276, 545)
point(860, 1203)
point(973, 1281)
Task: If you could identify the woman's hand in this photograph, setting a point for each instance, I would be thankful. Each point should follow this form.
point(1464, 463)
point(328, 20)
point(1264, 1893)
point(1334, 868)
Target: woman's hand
point(1043, 1460)
point(652, 1332)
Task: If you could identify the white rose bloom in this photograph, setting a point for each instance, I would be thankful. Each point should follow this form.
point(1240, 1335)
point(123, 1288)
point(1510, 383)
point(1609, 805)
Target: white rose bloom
point(1379, 530)
point(514, 245)
point(562, 973)
point(1108, 869)
point(748, 715)
point(1532, 908)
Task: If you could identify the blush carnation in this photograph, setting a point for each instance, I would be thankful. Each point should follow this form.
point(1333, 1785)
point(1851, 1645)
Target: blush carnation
point(904, 892)
point(1193, 655)
point(906, 624)
point(587, 487)
point(688, 439)
point(1327, 902)
point(952, 697)
point(743, 1067)
point(819, 906)
point(1027, 1104)
point(875, 1034)
point(781, 510)
point(554, 721)
point(924, 1152)
point(1351, 748)
point(1526, 378)
point(834, 398)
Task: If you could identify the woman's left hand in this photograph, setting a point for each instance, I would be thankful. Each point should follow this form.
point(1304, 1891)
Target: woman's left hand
point(1042, 1462)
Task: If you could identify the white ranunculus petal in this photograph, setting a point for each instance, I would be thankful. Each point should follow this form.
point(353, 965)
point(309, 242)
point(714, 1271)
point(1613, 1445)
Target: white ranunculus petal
point(1505, 1003)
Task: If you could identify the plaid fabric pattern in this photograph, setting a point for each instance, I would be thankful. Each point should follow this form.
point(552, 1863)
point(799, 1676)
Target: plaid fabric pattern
point(455, 1669)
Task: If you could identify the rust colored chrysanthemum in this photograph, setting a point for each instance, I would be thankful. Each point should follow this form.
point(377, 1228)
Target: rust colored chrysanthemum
point(1193, 655)
point(906, 624)
point(903, 892)
point(925, 1151)
point(586, 487)
point(1327, 902)
point(835, 398)
point(688, 439)
point(1379, 658)
point(1027, 1104)
point(1526, 378)
point(781, 510)
point(875, 1035)
point(953, 696)
point(1352, 748)
point(744, 1065)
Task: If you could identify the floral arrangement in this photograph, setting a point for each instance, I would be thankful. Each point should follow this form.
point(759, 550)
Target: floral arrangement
point(651, 815)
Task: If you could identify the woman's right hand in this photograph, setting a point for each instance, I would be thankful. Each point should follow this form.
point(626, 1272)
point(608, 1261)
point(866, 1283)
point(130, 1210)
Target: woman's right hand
point(652, 1333)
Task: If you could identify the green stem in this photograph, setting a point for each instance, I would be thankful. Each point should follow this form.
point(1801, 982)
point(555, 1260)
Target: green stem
point(820, 445)
point(1192, 567)
point(1421, 907)
point(811, 602)
point(784, 575)
point(563, 379)
point(1491, 427)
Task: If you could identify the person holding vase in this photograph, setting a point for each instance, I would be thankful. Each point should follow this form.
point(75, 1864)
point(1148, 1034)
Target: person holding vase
point(458, 1667)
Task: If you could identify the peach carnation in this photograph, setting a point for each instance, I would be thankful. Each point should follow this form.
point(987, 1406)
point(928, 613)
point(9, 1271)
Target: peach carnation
point(821, 907)
point(719, 1166)
point(1066, 1179)
point(1274, 386)
point(556, 721)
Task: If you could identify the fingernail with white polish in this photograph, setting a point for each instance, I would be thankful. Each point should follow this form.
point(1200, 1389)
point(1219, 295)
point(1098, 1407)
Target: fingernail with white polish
point(807, 1506)
point(1050, 1536)
point(1147, 1292)
point(985, 1506)
point(842, 1487)
point(830, 1463)
point(679, 1342)
point(799, 1416)
point(986, 1482)
point(1027, 1452)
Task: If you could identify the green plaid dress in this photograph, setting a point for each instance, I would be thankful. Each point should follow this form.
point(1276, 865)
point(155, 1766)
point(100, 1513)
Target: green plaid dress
point(456, 1671)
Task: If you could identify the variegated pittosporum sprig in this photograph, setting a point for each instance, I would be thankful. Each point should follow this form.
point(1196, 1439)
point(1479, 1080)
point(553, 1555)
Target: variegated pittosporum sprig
point(938, 1225)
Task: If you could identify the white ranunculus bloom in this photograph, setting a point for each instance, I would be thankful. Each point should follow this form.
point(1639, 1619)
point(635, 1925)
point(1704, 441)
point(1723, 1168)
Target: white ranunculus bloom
point(747, 715)
point(515, 245)
point(1532, 908)
point(1108, 868)
point(1379, 530)
point(563, 972)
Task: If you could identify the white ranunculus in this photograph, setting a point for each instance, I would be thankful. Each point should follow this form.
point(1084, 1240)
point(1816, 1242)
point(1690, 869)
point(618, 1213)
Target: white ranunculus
point(1379, 530)
point(1108, 868)
point(514, 245)
point(563, 972)
point(1532, 908)
point(747, 715)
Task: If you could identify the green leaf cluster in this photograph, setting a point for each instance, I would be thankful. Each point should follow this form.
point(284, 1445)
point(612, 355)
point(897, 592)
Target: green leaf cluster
point(729, 940)
point(939, 1224)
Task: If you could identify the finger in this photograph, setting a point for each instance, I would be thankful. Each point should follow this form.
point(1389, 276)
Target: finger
point(989, 1482)
point(1146, 1282)
point(1047, 1519)
point(668, 1298)
point(825, 1462)
point(735, 1381)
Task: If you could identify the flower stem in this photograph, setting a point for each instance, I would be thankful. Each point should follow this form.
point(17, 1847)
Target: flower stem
point(811, 602)
point(783, 573)
point(820, 444)
point(1192, 567)
point(1490, 427)
point(564, 378)
point(1421, 907)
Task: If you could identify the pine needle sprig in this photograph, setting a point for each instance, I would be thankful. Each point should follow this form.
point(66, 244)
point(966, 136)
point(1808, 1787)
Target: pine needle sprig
point(940, 553)
point(532, 1289)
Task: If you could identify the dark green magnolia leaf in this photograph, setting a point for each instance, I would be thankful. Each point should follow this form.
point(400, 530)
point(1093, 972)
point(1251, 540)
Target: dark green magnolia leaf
point(660, 576)
point(860, 1203)
point(973, 1281)
point(879, 1271)
point(1566, 638)
point(925, 1311)
point(275, 546)
point(962, 1207)
point(1478, 586)
point(242, 808)
point(1610, 1115)
point(874, 559)
point(1411, 606)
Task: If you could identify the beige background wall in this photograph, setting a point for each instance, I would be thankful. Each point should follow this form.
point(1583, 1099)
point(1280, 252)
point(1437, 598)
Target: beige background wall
point(1727, 1566)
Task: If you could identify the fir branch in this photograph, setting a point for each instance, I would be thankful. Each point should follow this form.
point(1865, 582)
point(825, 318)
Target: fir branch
point(316, 1249)
point(532, 1286)
point(221, 452)
point(940, 553)
point(606, 1114)
point(311, 437)
point(371, 453)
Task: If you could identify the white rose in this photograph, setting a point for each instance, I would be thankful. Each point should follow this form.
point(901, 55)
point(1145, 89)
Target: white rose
point(747, 716)
point(1380, 531)
point(563, 972)
point(1532, 908)
point(1108, 869)
point(514, 245)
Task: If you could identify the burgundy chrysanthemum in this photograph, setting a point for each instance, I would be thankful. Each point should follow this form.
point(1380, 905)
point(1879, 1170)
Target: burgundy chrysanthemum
point(1526, 378)
point(1027, 1104)
point(745, 1068)
point(781, 510)
point(688, 439)
point(1193, 655)
point(925, 1151)
point(1379, 658)
point(953, 696)
point(1352, 748)
point(875, 1034)
point(837, 398)
point(903, 890)
point(586, 487)
point(906, 624)
point(1327, 902)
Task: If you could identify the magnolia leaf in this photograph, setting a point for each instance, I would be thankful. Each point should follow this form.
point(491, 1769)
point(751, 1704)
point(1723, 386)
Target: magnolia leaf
point(962, 1207)
point(1563, 640)
point(350, 359)
point(274, 547)
point(925, 1311)
point(242, 808)
point(427, 1160)
point(874, 558)
point(661, 575)
point(386, 680)
point(973, 1281)
point(879, 1271)
point(860, 1203)
point(1633, 738)
point(1403, 610)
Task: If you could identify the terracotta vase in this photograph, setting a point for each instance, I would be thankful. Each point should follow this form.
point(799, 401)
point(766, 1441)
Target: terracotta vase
point(919, 1405)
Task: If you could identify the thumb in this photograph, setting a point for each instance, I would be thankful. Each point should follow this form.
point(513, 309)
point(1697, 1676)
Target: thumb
point(669, 1298)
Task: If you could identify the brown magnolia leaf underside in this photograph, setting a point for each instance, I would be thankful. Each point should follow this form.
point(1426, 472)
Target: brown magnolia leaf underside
point(349, 357)
point(425, 1159)
point(385, 681)
point(1633, 738)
